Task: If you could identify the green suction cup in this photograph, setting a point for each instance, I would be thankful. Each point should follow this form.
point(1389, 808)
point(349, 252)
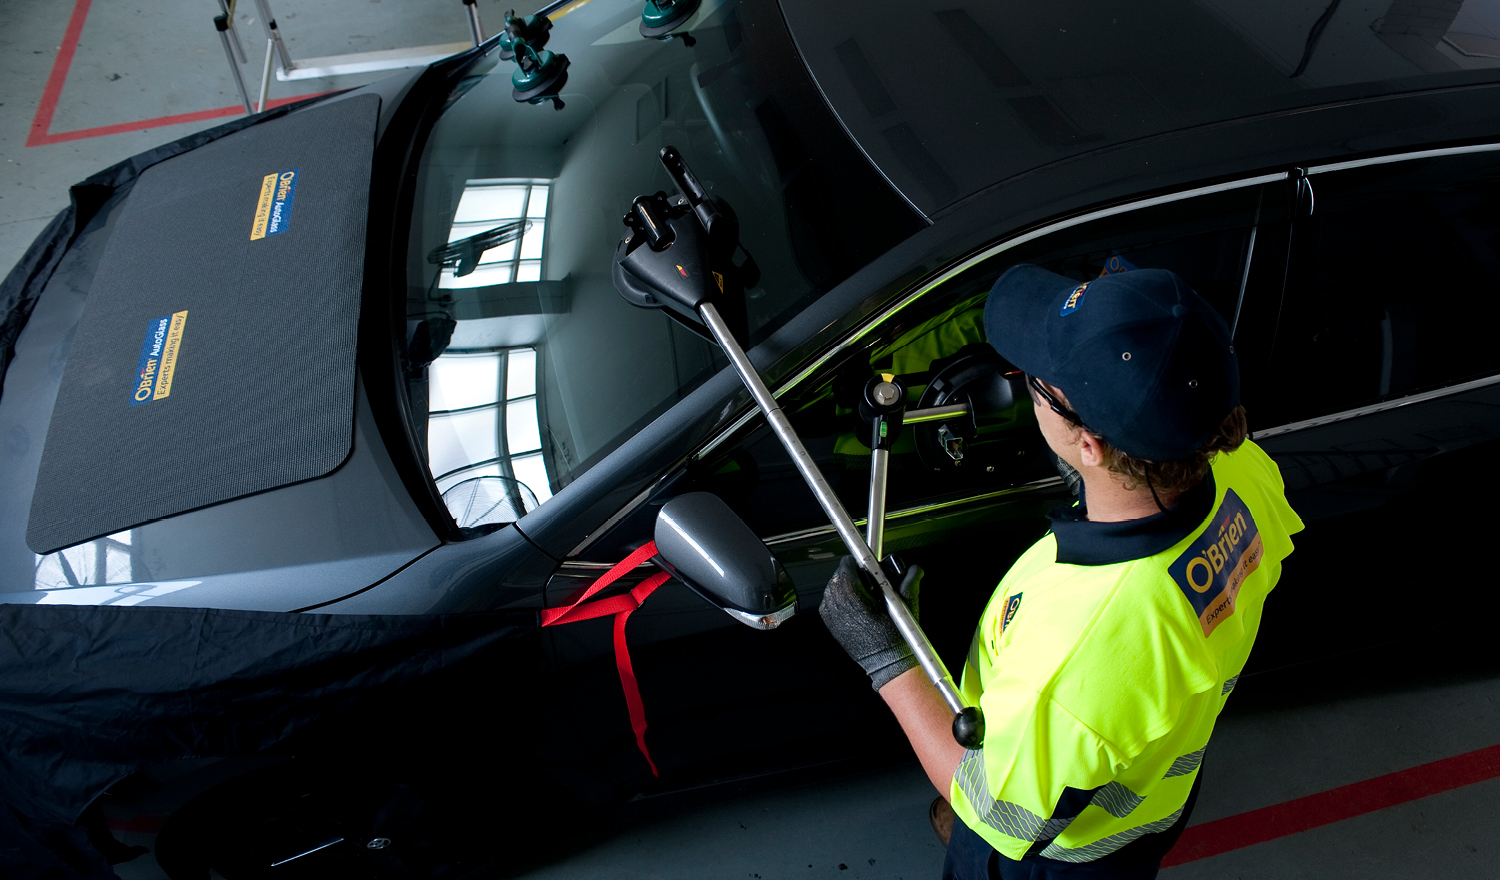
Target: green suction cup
point(661, 17)
point(539, 75)
point(533, 29)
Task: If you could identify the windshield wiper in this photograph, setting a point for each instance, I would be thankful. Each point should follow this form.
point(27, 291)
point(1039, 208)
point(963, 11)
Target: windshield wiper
point(462, 256)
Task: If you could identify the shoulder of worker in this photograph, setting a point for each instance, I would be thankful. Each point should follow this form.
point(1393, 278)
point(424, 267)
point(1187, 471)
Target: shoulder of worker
point(1123, 646)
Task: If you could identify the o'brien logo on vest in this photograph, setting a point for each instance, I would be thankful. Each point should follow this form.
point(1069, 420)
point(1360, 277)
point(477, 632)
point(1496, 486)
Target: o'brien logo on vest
point(1212, 569)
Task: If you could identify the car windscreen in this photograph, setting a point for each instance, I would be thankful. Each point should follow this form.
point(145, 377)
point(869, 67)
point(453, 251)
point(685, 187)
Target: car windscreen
point(524, 366)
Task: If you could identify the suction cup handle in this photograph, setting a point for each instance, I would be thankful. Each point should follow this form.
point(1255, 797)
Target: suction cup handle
point(691, 189)
point(646, 215)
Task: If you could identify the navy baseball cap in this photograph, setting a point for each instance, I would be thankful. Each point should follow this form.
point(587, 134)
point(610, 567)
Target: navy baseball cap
point(1144, 360)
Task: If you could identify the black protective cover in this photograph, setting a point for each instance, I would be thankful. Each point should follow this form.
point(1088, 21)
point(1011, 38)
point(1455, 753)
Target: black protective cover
point(263, 389)
point(89, 694)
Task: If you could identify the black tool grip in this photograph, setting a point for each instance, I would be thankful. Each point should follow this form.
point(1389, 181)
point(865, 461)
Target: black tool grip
point(690, 187)
point(968, 728)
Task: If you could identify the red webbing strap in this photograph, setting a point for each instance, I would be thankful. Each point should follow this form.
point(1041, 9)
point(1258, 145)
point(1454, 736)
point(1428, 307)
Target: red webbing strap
point(621, 607)
point(627, 674)
point(552, 616)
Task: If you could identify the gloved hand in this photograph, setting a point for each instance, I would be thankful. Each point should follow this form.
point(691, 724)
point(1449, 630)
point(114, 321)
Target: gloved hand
point(861, 626)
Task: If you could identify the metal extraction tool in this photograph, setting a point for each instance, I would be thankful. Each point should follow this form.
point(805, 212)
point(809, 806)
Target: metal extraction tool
point(680, 256)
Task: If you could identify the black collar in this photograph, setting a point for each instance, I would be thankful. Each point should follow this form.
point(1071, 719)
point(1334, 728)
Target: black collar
point(1081, 542)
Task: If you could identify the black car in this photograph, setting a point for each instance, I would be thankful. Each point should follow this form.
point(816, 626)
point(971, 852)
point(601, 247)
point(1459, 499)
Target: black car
point(403, 388)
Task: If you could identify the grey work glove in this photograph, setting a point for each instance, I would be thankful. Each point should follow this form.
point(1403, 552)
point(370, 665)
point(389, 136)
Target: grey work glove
point(861, 626)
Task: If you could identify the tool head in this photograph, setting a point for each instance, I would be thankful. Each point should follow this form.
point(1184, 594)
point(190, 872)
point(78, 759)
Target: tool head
point(996, 429)
point(678, 254)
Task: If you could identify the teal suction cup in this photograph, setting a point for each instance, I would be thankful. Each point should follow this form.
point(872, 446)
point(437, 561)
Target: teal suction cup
point(539, 75)
point(533, 29)
point(661, 17)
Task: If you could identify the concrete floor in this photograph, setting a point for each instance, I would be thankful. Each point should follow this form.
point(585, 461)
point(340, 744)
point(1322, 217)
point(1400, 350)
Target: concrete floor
point(136, 62)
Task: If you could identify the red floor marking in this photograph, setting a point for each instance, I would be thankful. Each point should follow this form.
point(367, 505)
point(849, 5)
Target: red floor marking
point(40, 126)
point(60, 65)
point(1327, 807)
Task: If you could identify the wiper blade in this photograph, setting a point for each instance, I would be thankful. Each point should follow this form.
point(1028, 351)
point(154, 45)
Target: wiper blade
point(462, 256)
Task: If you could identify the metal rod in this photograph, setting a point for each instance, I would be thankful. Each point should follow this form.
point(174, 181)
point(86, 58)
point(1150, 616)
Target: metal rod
point(221, 23)
point(274, 34)
point(875, 523)
point(227, 7)
point(476, 30)
point(551, 7)
point(934, 414)
point(265, 78)
point(322, 846)
point(782, 427)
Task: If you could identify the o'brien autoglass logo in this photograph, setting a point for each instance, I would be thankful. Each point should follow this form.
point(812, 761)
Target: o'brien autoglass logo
point(273, 211)
point(158, 358)
point(1074, 300)
point(1212, 569)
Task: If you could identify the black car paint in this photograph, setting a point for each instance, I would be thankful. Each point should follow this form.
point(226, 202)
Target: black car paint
point(654, 466)
point(1354, 501)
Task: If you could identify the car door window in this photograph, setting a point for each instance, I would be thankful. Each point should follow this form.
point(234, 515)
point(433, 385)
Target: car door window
point(1211, 240)
point(1393, 285)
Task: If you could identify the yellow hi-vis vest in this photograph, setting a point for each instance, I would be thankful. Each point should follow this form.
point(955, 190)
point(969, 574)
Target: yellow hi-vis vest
point(1108, 678)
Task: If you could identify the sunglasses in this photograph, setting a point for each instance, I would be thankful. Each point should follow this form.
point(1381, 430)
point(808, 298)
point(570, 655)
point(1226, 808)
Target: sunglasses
point(1057, 407)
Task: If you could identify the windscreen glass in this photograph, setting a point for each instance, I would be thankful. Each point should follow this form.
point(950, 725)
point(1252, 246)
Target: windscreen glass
point(524, 366)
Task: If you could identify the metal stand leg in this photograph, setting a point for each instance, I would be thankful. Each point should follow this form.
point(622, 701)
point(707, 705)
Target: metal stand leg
point(221, 23)
point(476, 31)
point(265, 77)
point(875, 524)
point(227, 7)
point(900, 614)
point(274, 34)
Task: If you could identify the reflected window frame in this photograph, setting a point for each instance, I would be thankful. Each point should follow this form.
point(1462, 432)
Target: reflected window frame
point(523, 258)
point(509, 396)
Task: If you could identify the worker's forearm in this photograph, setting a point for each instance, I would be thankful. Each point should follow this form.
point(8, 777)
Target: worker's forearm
point(928, 723)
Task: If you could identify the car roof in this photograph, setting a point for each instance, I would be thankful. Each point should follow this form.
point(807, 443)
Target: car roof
point(948, 100)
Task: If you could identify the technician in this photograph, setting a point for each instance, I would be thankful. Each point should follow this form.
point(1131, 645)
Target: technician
point(1111, 645)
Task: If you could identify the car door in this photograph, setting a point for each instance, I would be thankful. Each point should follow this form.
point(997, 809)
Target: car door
point(1385, 404)
point(724, 699)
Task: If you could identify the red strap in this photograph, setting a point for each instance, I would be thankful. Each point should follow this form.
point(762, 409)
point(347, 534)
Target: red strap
point(621, 607)
point(627, 674)
point(553, 616)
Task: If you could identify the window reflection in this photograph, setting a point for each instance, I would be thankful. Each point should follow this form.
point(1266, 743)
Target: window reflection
point(487, 204)
point(483, 422)
point(108, 560)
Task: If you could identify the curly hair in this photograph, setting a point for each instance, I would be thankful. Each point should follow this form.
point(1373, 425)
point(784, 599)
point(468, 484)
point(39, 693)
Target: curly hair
point(1173, 477)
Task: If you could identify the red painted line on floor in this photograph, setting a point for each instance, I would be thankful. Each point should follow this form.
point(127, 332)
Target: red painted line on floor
point(164, 120)
point(60, 65)
point(40, 134)
point(1336, 805)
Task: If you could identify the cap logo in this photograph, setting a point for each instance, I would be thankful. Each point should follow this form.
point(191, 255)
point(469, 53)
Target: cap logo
point(1074, 300)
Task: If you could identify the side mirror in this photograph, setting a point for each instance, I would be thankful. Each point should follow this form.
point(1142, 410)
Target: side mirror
point(706, 546)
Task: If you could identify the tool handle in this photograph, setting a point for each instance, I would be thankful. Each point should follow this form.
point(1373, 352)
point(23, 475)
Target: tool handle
point(911, 633)
point(691, 189)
